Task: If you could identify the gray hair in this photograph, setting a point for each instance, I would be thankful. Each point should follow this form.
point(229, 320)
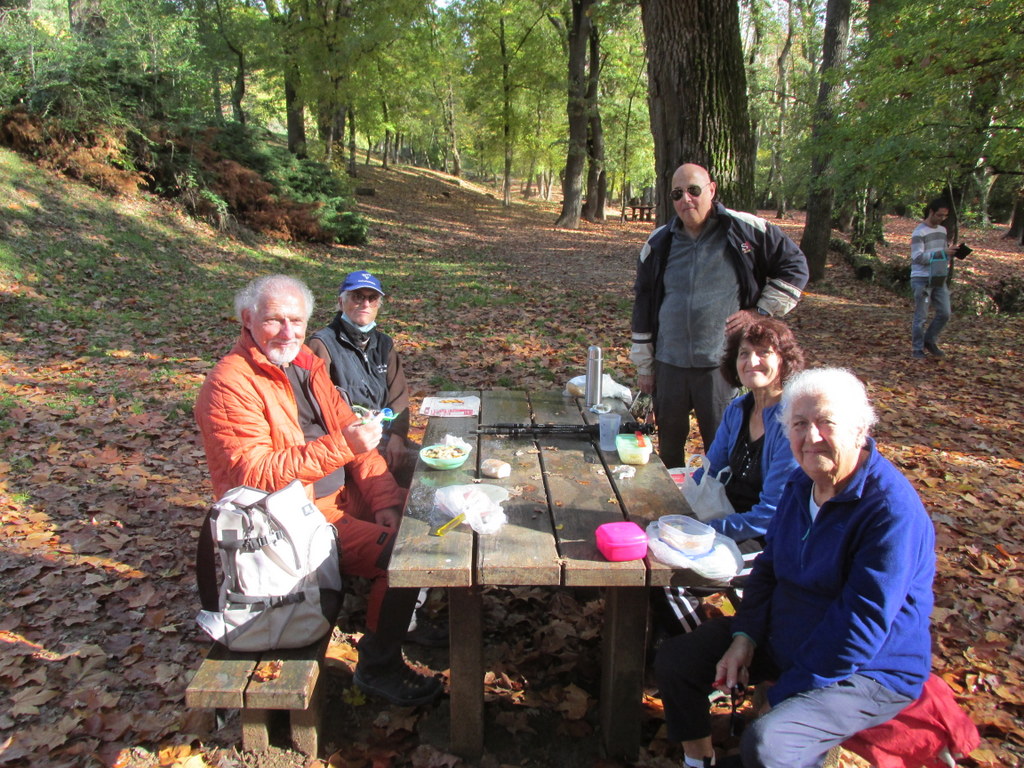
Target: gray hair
point(839, 386)
point(250, 297)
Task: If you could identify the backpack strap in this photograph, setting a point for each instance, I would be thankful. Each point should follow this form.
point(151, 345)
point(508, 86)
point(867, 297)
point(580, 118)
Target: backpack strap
point(206, 567)
point(275, 601)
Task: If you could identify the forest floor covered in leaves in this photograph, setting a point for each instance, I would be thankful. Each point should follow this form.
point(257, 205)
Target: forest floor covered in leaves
point(112, 312)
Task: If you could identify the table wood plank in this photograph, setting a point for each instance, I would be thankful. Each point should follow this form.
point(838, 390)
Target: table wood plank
point(583, 499)
point(422, 560)
point(523, 552)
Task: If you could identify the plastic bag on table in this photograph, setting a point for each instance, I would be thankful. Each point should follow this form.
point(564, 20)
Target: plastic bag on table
point(577, 387)
point(722, 563)
point(479, 504)
point(706, 497)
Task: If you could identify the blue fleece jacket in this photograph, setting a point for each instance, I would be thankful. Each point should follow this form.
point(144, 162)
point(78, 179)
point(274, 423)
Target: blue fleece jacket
point(849, 593)
point(777, 464)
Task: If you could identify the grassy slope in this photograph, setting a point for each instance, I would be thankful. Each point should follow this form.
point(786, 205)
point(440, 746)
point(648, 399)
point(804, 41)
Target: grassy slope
point(112, 311)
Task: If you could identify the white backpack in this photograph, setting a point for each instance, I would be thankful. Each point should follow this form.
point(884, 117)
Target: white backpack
point(280, 583)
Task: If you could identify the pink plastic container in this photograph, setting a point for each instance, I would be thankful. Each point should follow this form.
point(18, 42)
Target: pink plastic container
point(621, 541)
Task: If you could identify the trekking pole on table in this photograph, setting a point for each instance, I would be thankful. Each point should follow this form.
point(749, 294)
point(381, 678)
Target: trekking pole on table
point(558, 430)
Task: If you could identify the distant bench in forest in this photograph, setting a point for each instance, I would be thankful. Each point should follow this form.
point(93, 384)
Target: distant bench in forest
point(641, 212)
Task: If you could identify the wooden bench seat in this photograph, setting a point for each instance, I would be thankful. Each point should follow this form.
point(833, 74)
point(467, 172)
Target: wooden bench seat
point(226, 680)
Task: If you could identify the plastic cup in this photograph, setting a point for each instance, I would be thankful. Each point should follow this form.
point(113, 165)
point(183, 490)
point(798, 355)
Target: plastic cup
point(609, 427)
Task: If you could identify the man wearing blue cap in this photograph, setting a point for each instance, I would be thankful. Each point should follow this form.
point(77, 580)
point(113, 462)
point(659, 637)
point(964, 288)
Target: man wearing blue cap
point(366, 368)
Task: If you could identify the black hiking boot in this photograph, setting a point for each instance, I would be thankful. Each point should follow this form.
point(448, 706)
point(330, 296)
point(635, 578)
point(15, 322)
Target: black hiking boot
point(400, 685)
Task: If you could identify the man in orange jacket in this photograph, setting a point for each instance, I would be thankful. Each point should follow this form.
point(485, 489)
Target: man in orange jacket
point(269, 414)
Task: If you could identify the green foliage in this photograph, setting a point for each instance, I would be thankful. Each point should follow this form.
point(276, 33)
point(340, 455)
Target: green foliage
point(781, 98)
point(251, 147)
point(307, 180)
point(300, 179)
point(139, 63)
point(936, 98)
point(348, 227)
point(143, 62)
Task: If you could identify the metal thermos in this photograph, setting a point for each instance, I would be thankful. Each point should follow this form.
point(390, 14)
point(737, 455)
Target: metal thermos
point(594, 374)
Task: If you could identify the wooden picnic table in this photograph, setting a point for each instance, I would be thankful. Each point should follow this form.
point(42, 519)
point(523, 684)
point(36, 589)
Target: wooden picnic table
point(641, 212)
point(562, 491)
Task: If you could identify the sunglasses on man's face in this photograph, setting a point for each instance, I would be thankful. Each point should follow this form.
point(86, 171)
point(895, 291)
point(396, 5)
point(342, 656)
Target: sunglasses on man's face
point(693, 190)
point(373, 299)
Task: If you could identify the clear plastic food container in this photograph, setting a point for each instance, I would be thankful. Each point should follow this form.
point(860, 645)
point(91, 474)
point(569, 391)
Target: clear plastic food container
point(630, 452)
point(686, 535)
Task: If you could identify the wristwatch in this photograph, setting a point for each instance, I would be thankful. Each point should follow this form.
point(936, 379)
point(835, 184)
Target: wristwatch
point(763, 312)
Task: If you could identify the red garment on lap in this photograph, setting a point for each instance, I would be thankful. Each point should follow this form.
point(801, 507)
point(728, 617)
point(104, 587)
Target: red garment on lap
point(918, 734)
point(364, 547)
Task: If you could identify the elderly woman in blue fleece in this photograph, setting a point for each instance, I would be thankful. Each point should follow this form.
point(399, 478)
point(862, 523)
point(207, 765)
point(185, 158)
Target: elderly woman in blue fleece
point(750, 441)
point(836, 609)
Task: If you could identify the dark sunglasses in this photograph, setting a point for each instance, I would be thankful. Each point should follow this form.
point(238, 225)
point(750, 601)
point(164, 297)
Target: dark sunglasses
point(693, 190)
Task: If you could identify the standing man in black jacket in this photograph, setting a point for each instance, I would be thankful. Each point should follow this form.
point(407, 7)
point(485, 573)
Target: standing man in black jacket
point(365, 366)
point(698, 279)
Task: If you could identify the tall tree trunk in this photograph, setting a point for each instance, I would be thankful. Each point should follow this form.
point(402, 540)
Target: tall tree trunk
point(576, 154)
point(597, 181)
point(698, 96)
point(818, 228)
point(352, 171)
point(506, 116)
point(340, 115)
point(295, 112)
point(284, 19)
point(451, 131)
point(1016, 230)
point(385, 156)
point(238, 88)
point(782, 101)
point(627, 185)
point(325, 128)
point(217, 94)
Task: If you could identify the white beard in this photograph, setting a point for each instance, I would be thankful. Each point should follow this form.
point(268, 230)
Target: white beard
point(283, 355)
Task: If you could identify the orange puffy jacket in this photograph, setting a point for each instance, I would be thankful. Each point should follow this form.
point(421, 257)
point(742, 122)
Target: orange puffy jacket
point(249, 421)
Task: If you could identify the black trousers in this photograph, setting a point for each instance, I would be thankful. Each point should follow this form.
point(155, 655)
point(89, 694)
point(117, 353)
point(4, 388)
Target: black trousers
point(685, 671)
point(677, 391)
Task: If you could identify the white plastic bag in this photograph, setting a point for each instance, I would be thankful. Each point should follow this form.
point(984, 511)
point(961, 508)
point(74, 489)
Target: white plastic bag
point(577, 387)
point(722, 563)
point(480, 503)
point(707, 498)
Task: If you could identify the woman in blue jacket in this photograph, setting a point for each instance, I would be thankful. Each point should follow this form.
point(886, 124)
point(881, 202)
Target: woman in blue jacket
point(836, 610)
point(750, 441)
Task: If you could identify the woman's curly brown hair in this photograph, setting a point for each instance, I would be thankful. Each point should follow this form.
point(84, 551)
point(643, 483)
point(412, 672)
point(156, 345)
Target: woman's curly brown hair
point(763, 332)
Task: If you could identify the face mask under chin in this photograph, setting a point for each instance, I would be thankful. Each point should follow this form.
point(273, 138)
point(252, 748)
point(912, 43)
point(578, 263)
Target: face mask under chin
point(364, 328)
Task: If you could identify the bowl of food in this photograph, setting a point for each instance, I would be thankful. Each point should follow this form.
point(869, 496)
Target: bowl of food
point(441, 456)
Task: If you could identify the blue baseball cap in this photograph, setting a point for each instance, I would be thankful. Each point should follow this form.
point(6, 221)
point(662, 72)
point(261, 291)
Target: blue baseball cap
point(361, 279)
